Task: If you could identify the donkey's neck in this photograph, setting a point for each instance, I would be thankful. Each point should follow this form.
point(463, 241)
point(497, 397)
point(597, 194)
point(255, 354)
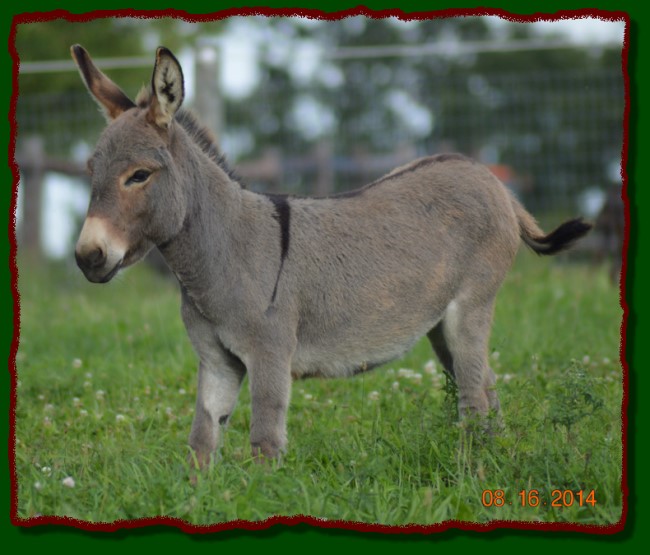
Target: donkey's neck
point(197, 254)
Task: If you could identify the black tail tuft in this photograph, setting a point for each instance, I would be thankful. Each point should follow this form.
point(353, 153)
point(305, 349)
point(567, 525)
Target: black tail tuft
point(562, 237)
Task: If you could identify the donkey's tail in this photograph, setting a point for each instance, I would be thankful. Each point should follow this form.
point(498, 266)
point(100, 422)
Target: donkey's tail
point(558, 240)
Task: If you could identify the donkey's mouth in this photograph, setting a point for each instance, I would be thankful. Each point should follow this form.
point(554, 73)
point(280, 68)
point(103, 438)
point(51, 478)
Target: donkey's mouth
point(99, 275)
point(108, 277)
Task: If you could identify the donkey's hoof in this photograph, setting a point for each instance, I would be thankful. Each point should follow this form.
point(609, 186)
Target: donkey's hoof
point(200, 460)
point(265, 451)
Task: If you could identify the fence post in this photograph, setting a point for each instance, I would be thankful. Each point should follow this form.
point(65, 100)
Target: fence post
point(31, 158)
point(324, 168)
point(208, 103)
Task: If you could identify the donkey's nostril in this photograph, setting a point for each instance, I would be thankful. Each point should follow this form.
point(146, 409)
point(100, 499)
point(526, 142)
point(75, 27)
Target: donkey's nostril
point(96, 258)
point(92, 259)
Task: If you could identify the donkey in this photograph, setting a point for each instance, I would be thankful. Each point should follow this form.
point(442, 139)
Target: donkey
point(281, 287)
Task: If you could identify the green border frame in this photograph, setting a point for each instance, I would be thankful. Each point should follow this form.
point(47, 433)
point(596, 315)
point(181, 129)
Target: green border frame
point(303, 536)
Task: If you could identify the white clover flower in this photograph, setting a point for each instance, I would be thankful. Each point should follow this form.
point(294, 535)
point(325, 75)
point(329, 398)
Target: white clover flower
point(181, 391)
point(430, 367)
point(308, 396)
point(395, 386)
point(495, 355)
point(47, 470)
point(586, 359)
point(99, 394)
point(405, 373)
point(83, 412)
point(38, 485)
point(373, 395)
point(76, 401)
point(68, 482)
point(77, 363)
point(120, 418)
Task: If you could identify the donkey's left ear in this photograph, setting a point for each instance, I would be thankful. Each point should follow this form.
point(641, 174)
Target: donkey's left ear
point(168, 88)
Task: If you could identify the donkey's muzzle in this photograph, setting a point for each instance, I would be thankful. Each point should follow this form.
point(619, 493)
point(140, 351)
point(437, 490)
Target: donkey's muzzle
point(96, 258)
point(94, 266)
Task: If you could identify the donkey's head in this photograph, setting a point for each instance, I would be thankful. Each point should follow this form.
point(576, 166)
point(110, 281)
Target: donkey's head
point(136, 199)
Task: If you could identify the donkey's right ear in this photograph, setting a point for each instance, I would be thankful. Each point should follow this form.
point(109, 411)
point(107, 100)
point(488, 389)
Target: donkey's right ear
point(108, 95)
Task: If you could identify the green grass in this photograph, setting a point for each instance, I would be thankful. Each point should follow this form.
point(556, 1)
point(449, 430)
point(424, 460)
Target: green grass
point(106, 394)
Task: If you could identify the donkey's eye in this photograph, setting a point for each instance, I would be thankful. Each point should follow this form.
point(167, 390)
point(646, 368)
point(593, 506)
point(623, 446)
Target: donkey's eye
point(139, 176)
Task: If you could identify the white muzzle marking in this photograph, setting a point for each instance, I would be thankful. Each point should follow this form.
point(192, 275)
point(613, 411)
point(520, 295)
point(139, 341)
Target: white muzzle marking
point(99, 250)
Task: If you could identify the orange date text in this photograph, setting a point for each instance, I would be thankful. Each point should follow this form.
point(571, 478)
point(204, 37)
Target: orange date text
point(559, 498)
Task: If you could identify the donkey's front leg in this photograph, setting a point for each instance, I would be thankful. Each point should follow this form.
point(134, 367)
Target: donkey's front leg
point(270, 385)
point(217, 393)
point(220, 378)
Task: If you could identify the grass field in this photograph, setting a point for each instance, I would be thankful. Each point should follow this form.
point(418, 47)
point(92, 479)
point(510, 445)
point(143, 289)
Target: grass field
point(106, 387)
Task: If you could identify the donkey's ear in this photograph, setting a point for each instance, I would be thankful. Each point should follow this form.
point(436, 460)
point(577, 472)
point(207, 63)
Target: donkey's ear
point(108, 95)
point(168, 88)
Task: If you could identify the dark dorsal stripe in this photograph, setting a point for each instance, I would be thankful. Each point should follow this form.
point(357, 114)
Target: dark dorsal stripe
point(435, 159)
point(283, 217)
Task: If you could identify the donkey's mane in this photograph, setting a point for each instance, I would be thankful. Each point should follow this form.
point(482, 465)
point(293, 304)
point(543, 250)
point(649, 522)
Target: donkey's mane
point(199, 133)
point(206, 141)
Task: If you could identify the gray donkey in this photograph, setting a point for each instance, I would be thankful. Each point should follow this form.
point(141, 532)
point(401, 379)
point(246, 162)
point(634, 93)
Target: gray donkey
point(281, 287)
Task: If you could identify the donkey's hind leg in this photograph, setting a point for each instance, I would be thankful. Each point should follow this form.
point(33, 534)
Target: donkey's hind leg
point(463, 342)
point(439, 343)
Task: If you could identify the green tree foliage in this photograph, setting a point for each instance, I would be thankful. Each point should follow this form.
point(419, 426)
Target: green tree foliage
point(104, 38)
point(51, 40)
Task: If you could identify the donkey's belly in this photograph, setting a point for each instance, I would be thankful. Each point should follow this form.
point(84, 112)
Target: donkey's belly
point(347, 357)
